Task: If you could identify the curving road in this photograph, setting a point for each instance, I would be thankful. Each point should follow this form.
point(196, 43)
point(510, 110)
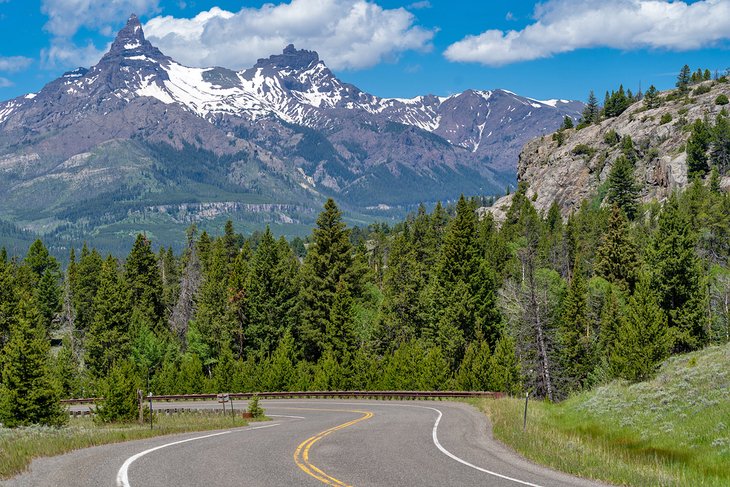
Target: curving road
point(312, 443)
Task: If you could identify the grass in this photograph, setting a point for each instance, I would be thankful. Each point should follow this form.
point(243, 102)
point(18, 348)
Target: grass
point(18, 447)
point(673, 430)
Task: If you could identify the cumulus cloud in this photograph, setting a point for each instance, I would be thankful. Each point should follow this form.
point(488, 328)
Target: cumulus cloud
point(66, 17)
point(566, 25)
point(348, 34)
point(14, 63)
point(65, 53)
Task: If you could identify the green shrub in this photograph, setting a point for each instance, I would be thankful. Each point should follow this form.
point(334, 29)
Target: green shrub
point(611, 137)
point(721, 100)
point(666, 118)
point(559, 137)
point(254, 408)
point(651, 154)
point(583, 149)
point(119, 390)
point(701, 90)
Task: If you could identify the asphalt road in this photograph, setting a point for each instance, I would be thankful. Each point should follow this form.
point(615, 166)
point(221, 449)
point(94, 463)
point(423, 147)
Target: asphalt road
point(311, 443)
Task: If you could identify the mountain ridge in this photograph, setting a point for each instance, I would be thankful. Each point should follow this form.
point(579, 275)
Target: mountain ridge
point(286, 131)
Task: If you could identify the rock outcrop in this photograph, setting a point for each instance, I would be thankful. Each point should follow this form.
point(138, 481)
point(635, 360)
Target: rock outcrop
point(574, 170)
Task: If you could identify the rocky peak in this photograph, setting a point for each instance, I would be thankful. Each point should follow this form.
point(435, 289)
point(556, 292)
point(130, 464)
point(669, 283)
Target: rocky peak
point(130, 41)
point(290, 58)
point(130, 37)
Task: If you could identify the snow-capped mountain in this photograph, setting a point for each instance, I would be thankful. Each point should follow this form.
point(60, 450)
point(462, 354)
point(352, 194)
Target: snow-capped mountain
point(287, 125)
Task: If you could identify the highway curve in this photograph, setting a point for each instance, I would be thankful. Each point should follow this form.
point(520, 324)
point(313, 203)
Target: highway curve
point(311, 443)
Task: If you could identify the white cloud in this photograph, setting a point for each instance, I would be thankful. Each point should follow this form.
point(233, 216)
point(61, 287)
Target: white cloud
point(66, 17)
point(5, 83)
point(65, 53)
point(420, 5)
point(567, 25)
point(348, 34)
point(14, 63)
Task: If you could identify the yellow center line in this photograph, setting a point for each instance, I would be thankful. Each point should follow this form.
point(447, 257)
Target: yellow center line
point(301, 454)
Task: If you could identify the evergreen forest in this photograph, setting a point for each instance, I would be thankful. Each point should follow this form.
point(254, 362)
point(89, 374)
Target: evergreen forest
point(445, 300)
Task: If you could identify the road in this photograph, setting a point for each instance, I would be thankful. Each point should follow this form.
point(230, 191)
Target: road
point(311, 443)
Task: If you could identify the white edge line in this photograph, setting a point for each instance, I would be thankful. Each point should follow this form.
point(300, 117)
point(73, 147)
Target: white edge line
point(444, 450)
point(454, 457)
point(285, 416)
point(123, 474)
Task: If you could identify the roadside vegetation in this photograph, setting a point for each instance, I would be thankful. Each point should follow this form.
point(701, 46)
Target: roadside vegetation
point(19, 446)
point(673, 430)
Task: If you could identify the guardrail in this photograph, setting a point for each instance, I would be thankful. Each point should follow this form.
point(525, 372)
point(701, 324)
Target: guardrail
point(312, 395)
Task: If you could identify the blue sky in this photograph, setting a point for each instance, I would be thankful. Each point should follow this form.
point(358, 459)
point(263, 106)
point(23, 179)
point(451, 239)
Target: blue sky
point(553, 49)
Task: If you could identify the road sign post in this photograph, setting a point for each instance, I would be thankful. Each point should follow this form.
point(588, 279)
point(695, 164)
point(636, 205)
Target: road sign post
point(150, 398)
point(524, 420)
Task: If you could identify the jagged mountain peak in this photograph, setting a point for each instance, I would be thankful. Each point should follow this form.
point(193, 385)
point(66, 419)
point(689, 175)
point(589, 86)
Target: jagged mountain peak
point(130, 37)
point(131, 43)
point(291, 58)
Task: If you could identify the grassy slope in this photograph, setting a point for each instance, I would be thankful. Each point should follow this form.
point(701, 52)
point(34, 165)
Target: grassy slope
point(673, 430)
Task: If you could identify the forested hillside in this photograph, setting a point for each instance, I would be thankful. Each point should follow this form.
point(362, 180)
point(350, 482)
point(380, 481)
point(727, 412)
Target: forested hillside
point(442, 300)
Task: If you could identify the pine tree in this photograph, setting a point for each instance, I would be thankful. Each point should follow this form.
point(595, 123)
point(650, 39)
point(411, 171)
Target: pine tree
point(434, 371)
point(108, 337)
point(683, 80)
point(474, 371)
point(651, 98)
point(697, 146)
point(85, 286)
point(403, 368)
point(230, 241)
point(340, 336)
point(505, 367)
point(567, 123)
point(190, 378)
point(145, 283)
point(612, 316)
point(45, 281)
point(618, 260)
point(281, 373)
point(270, 291)
point(8, 300)
point(720, 144)
point(224, 371)
point(623, 191)
point(401, 317)
point(67, 371)
point(329, 374)
point(677, 277)
point(643, 340)
point(575, 334)
point(329, 261)
point(212, 318)
point(28, 391)
point(591, 110)
point(119, 390)
point(170, 276)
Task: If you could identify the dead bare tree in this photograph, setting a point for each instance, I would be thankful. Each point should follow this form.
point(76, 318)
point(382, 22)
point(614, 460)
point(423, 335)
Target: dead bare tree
point(190, 281)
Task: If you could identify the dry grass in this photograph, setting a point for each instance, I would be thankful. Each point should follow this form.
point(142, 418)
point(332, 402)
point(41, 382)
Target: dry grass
point(18, 447)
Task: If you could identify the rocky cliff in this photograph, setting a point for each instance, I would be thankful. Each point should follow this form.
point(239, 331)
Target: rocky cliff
point(571, 170)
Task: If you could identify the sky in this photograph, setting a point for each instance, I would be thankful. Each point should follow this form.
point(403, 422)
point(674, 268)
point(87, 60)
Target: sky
point(550, 49)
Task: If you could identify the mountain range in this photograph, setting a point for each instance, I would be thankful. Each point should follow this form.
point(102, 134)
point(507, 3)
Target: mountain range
point(140, 141)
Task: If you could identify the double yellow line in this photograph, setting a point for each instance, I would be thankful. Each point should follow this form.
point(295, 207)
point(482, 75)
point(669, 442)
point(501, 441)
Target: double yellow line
point(301, 455)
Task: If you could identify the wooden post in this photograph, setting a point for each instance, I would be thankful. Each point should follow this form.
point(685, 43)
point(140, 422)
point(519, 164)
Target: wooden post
point(140, 405)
